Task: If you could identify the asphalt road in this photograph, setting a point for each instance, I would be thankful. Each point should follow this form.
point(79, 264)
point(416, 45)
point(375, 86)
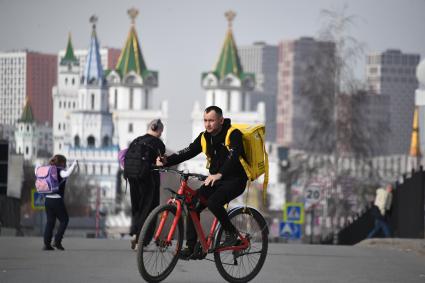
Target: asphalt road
point(101, 260)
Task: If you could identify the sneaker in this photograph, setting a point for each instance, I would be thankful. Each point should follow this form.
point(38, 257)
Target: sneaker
point(133, 243)
point(48, 248)
point(58, 246)
point(186, 253)
point(230, 240)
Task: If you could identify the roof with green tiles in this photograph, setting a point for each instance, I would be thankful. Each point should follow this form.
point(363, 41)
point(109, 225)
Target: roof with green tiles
point(229, 61)
point(27, 116)
point(69, 57)
point(131, 58)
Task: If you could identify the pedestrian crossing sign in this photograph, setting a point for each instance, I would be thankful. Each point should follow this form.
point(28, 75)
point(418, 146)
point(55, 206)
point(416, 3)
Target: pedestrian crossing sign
point(291, 231)
point(37, 200)
point(293, 212)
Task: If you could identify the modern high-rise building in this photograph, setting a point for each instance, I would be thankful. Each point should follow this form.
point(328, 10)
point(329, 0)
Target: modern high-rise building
point(392, 73)
point(26, 74)
point(261, 59)
point(306, 80)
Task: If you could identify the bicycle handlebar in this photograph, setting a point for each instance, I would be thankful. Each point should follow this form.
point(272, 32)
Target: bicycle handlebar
point(183, 174)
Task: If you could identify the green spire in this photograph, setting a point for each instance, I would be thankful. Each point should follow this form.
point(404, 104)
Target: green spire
point(131, 58)
point(229, 61)
point(69, 55)
point(27, 116)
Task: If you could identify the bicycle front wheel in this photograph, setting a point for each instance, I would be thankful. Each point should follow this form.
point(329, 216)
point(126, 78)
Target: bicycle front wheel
point(157, 257)
point(244, 265)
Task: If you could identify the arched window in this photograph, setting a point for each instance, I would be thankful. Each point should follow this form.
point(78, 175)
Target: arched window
point(73, 81)
point(105, 141)
point(130, 102)
point(92, 101)
point(146, 99)
point(77, 141)
point(115, 99)
point(90, 141)
point(26, 150)
point(229, 100)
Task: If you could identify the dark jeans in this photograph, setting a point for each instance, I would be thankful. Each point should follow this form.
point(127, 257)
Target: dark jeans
point(216, 197)
point(144, 198)
point(55, 208)
point(380, 223)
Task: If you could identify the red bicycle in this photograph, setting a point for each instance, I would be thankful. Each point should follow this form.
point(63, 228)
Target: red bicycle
point(161, 237)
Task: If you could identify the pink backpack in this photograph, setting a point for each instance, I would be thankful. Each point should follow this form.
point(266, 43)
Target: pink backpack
point(47, 181)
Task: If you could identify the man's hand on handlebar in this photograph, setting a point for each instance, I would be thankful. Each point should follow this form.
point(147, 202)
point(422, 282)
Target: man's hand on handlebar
point(161, 161)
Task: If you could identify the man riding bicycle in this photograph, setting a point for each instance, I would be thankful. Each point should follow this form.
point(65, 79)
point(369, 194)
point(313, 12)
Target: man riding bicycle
point(227, 179)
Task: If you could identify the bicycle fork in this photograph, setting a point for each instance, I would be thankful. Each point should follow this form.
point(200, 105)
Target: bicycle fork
point(164, 217)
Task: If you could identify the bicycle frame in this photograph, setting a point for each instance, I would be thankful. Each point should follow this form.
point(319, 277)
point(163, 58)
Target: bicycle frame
point(185, 195)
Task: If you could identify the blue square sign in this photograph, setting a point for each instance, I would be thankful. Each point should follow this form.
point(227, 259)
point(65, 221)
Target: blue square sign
point(37, 200)
point(290, 230)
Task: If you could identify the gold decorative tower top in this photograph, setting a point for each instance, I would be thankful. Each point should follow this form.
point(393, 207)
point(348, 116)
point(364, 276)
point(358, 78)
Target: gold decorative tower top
point(230, 16)
point(133, 12)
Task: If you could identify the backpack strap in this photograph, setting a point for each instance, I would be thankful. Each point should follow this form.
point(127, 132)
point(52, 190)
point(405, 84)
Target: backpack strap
point(266, 172)
point(204, 149)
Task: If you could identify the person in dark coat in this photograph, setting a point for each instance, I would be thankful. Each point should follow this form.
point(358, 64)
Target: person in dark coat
point(144, 192)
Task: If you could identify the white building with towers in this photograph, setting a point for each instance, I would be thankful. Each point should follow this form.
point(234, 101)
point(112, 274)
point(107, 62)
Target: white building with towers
point(97, 112)
point(131, 86)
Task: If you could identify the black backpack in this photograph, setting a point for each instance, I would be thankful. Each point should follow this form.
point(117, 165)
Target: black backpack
point(138, 159)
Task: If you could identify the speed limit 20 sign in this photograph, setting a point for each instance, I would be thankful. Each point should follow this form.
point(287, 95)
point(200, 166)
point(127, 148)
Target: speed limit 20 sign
point(313, 194)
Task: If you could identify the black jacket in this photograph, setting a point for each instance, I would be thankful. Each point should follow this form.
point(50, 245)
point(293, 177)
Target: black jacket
point(223, 161)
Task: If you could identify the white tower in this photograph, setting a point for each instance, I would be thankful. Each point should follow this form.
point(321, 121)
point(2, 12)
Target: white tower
point(26, 134)
point(131, 87)
point(65, 96)
point(90, 131)
point(228, 87)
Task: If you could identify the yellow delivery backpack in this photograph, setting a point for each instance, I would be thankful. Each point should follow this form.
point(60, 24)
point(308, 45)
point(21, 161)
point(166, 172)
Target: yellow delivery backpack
point(256, 162)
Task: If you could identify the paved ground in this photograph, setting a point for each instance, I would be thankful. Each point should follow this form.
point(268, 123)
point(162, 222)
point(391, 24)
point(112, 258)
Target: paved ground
point(101, 260)
point(416, 246)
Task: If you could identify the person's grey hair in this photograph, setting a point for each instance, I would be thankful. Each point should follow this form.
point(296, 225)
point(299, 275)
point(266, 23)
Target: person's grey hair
point(156, 125)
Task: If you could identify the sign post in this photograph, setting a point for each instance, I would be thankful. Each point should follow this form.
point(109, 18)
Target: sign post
point(293, 217)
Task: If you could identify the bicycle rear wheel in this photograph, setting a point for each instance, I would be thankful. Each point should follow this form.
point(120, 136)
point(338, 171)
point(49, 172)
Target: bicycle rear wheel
point(244, 265)
point(156, 258)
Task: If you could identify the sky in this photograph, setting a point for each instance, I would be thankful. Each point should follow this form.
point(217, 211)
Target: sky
point(182, 38)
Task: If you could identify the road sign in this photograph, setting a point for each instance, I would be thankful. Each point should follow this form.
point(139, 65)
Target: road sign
point(37, 200)
point(293, 212)
point(290, 230)
point(312, 195)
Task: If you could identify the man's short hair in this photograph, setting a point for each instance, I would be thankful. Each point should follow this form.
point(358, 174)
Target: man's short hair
point(216, 109)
